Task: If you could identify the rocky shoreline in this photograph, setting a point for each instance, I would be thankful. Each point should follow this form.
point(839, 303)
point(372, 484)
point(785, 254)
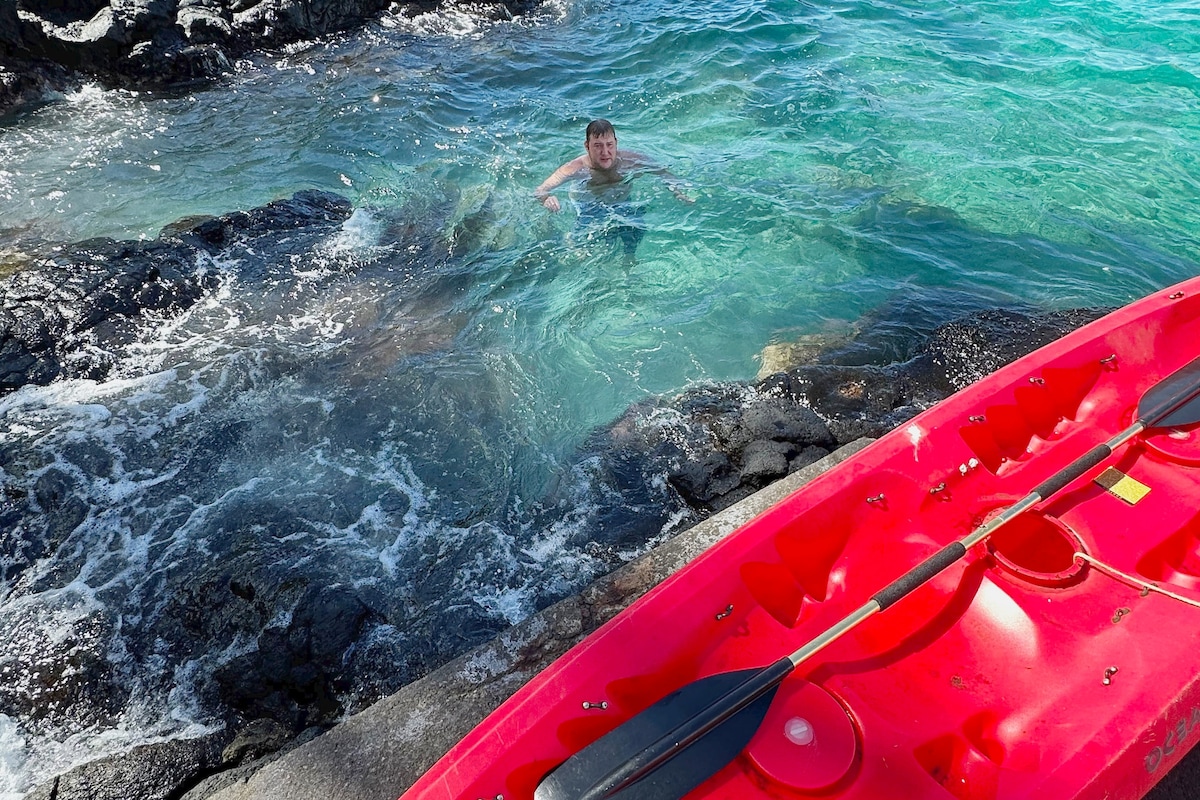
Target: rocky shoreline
point(70, 312)
point(67, 312)
point(49, 48)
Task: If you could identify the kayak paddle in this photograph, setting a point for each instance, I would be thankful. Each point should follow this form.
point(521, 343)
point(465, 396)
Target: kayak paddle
point(682, 740)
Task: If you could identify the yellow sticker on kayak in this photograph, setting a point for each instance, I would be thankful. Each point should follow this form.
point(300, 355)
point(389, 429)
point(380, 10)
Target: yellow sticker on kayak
point(1121, 485)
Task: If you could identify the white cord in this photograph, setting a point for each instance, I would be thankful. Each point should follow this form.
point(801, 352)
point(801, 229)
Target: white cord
point(1145, 586)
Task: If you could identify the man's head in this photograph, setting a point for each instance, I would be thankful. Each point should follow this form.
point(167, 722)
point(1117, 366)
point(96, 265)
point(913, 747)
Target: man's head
point(600, 141)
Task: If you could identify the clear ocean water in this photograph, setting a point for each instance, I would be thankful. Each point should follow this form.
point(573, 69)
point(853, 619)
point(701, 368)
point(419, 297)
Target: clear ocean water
point(840, 154)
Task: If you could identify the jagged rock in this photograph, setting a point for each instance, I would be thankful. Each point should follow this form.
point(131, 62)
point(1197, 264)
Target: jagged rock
point(261, 737)
point(165, 43)
point(32, 82)
point(296, 673)
point(780, 417)
point(155, 771)
point(718, 444)
point(70, 312)
point(766, 459)
point(204, 21)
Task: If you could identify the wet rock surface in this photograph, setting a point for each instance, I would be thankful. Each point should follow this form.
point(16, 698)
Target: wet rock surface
point(718, 444)
point(48, 47)
point(154, 769)
point(72, 309)
point(380, 752)
point(275, 651)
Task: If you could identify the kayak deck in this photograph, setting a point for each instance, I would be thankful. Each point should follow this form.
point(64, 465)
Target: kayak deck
point(1022, 671)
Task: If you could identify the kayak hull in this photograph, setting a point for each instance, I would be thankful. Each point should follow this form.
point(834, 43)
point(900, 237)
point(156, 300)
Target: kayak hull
point(1057, 659)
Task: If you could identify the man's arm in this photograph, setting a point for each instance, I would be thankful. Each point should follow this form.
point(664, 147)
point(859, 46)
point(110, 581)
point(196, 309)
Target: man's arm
point(556, 179)
point(644, 162)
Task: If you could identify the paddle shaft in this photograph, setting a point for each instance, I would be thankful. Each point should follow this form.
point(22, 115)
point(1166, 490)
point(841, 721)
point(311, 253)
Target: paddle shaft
point(932, 566)
point(731, 702)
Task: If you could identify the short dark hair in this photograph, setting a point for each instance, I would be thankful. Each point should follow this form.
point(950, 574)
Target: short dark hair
point(597, 128)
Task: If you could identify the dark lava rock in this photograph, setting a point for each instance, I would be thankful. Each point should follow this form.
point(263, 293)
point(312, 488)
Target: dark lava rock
point(45, 46)
point(71, 311)
point(297, 672)
point(32, 82)
point(717, 444)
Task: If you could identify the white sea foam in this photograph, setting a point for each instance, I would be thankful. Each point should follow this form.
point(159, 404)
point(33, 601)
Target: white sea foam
point(362, 229)
point(14, 778)
point(443, 22)
point(460, 23)
point(94, 98)
point(68, 618)
point(36, 761)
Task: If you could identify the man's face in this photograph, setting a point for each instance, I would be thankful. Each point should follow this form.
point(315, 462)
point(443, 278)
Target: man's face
point(602, 150)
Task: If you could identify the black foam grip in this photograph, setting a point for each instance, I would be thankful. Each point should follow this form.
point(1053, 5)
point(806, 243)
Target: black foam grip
point(919, 574)
point(1073, 470)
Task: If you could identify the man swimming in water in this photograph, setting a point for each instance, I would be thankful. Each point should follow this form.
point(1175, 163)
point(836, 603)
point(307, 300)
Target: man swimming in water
point(606, 171)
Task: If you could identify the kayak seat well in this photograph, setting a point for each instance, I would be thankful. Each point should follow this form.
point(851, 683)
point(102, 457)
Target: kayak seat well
point(810, 544)
point(967, 762)
point(1177, 559)
point(1042, 408)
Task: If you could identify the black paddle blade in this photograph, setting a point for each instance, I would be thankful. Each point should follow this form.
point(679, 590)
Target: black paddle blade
point(1173, 401)
point(580, 774)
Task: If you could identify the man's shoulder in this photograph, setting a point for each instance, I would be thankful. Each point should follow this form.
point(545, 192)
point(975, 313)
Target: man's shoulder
point(576, 164)
point(635, 158)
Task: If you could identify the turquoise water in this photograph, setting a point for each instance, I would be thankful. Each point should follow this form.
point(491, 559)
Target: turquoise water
point(840, 155)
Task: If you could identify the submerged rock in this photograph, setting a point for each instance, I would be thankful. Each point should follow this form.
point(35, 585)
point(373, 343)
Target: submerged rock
point(308, 646)
point(273, 648)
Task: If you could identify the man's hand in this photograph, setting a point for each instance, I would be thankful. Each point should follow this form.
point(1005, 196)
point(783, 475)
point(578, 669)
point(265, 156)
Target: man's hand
point(551, 203)
point(680, 195)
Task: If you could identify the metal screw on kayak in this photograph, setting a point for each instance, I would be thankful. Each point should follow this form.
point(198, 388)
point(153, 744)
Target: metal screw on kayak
point(728, 610)
point(1108, 673)
point(1120, 613)
point(941, 487)
point(1109, 359)
point(1175, 296)
point(602, 705)
point(977, 418)
point(879, 498)
point(1038, 381)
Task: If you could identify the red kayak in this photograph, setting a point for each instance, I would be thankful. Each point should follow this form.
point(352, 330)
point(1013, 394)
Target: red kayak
point(999, 599)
